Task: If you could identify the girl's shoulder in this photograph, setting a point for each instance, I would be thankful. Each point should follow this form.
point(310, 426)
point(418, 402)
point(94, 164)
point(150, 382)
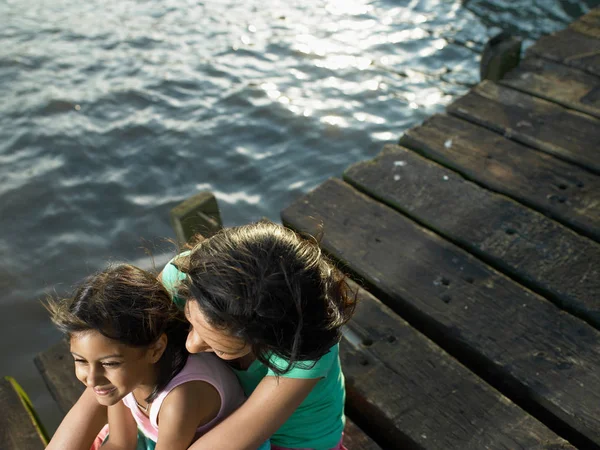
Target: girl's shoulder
point(186, 410)
point(198, 397)
point(206, 387)
point(208, 368)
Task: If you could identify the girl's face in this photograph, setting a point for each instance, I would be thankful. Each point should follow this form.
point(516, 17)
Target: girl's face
point(111, 368)
point(205, 338)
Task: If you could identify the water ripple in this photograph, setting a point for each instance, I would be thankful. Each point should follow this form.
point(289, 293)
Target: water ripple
point(115, 111)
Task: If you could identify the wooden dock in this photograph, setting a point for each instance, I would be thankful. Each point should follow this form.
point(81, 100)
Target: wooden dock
point(475, 243)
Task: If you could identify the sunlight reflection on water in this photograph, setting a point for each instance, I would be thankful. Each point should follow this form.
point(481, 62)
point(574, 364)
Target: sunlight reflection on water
point(114, 111)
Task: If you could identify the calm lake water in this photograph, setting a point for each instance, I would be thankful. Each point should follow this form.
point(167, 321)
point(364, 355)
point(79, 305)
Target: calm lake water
point(114, 111)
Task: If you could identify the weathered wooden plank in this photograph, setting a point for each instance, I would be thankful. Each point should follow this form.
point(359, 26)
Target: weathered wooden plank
point(56, 366)
point(571, 48)
point(412, 394)
point(17, 430)
point(532, 248)
point(544, 359)
point(539, 123)
point(569, 87)
point(58, 371)
point(356, 439)
point(558, 189)
point(588, 23)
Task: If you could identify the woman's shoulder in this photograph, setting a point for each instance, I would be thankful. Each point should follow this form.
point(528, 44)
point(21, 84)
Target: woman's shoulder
point(306, 369)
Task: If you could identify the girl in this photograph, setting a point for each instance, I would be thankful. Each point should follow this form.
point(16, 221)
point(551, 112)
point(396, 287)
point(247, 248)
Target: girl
point(268, 302)
point(128, 342)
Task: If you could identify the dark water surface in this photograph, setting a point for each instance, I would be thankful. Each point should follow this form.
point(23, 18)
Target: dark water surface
point(114, 111)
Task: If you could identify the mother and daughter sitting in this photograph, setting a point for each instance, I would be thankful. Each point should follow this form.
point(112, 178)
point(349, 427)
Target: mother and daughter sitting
point(233, 346)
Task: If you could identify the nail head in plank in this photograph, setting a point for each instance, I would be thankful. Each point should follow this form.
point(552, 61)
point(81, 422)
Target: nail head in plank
point(557, 83)
point(539, 252)
point(539, 356)
point(414, 395)
point(558, 189)
point(572, 136)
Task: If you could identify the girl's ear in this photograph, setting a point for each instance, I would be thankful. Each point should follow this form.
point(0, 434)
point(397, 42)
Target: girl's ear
point(157, 349)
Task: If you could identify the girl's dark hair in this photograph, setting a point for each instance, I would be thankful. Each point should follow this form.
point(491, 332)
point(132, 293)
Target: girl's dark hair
point(131, 306)
point(272, 288)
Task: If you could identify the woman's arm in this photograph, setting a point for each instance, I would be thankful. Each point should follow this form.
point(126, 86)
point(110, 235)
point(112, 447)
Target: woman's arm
point(186, 408)
point(81, 425)
point(270, 405)
point(122, 428)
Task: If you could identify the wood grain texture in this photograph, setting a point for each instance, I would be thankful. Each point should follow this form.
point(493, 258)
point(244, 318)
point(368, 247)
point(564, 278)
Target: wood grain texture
point(571, 47)
point(58, 371)
point(572, 136)
point(530, 247)
point(356, 439)
point(539, 356)
point(17, 431)
point(588, 23)
point(414, 395)
point(569, 87)
point(558, 189)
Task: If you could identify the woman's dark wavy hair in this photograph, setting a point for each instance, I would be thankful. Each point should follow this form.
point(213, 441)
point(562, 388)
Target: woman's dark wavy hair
point(272, 288)
point(131, 306)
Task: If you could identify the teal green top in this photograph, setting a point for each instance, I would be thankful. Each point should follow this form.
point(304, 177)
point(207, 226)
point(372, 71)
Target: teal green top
point(319, 420)
point(170, 278)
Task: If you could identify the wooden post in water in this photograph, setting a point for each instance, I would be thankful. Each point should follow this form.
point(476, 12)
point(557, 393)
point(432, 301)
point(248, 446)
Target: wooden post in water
point(198, 214)
point(501, 54)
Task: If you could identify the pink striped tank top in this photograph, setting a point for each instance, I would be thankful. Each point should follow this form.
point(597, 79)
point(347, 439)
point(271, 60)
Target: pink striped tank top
point(199, 367)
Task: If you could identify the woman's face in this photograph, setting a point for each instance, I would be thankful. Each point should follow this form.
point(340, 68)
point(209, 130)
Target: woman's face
point(111, 369)
point(205, 338)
